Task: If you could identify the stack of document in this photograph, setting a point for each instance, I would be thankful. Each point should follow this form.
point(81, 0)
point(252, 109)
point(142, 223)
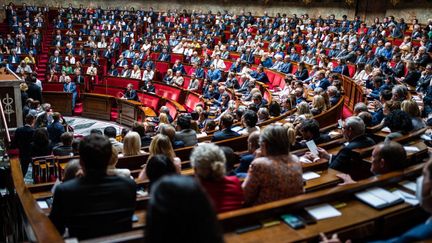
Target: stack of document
point(378, 198)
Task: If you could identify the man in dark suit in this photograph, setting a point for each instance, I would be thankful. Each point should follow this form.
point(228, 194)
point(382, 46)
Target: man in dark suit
point(310, 130)
point(354, 132)
point(246, 159)
point(22, 140)
point(185, 133)
point(225, 129)
point(321, 81)
point(55, 129)
point(130, 93)
point(95, 204)
point(399, 68)
point(65, 148)
point(33, 91)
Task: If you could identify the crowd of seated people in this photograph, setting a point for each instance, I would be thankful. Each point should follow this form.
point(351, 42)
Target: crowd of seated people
point(328, 46)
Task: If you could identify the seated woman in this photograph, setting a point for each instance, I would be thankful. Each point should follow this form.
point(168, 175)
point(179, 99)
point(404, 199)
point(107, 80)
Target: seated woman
point(158, 166)
point(112, 170)
point(277, 174)
point(399, 123)
point(132, 144)
point(318, 105)
point(161, 144)
point(412, 109)
point(208, 161)
point(178, 204)
point(169, 76)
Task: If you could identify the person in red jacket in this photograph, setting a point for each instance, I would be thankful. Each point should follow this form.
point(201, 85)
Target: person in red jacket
point(208, 161)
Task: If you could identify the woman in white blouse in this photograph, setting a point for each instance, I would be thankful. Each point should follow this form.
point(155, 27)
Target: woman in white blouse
point(136, 72)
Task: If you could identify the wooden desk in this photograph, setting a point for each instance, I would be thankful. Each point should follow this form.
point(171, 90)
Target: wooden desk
point(128, 111)
point(97, 106)
point(60, 101)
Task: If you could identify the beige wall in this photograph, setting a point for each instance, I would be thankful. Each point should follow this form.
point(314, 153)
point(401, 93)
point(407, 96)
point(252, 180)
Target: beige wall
point(420, 9)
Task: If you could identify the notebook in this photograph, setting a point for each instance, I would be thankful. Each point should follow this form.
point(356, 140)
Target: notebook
point(378, 198)
point(310, 175)
point(323, 211)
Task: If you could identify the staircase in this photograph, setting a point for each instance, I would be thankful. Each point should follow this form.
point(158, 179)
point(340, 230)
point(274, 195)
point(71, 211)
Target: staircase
point(43, 57)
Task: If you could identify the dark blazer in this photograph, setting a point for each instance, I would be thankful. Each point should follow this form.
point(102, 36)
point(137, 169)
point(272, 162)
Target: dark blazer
point(344, 160)
point(245, 161)
point(418, 233)
point(302, 75)
point(94, 206)
point(55, 130)
point(34, 91)
point(131, 95)
point(224, 134)
point(22, 140)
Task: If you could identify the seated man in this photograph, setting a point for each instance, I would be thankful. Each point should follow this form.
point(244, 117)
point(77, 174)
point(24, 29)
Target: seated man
point(130, 93)
point(354, 132)
point(310, 130)
point(65, 148)
point(246, 159)
point(95, 204)
point(225, 129)
point(185, 133)
point(386, 157)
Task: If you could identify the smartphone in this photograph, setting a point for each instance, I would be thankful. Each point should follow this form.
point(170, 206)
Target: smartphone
point(293, 221)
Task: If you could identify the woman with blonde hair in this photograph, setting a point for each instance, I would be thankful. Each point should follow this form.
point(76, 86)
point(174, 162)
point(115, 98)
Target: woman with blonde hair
point(303, 110)
point(292, 134)
point(411, 107)
point(161, 144)
point(132, 144)
point(208, 161)
point(163, 118)
point(136, 72)
point(277, 174)
point(318, 105)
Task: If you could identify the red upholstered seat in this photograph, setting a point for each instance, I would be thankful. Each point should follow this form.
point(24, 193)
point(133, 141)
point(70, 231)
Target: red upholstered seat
point(121, 82)
point(228, 64)
point(294, 68)
point(168, 92)
point(186, 82)
point(172, 109)
point(148, 100)
point(162, 67)
point(270, 75)
point(175, 57)
point(191, 101)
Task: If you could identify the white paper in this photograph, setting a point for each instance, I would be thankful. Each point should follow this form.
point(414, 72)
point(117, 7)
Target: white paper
point(410, 185)
point(323, 211)
point(310, 175)
point(411, 149)
point(42, 204)
point(383, 194)
point(408, 198)
point(371, 199)
point(312, 147)
point(426, 137)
